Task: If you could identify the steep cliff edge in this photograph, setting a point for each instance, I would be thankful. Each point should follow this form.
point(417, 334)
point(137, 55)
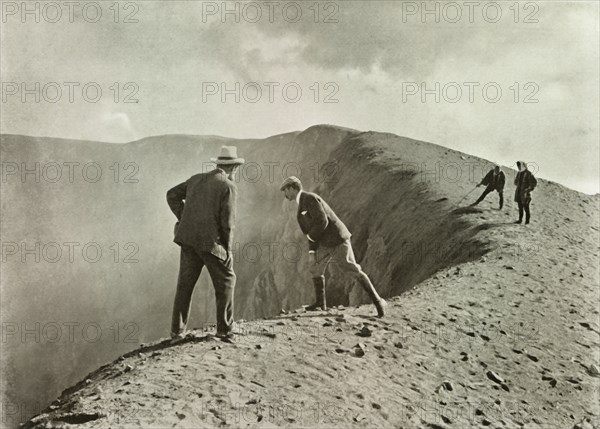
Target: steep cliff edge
point(497, 325)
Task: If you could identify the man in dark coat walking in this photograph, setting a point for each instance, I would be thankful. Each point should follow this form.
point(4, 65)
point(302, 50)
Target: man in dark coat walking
point(328, 241)
point(494, 181)
point(525, 183)
point(204, 230)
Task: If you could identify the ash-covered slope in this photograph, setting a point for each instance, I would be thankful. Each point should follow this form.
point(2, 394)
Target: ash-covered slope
point(507, 341)
point(479, 277)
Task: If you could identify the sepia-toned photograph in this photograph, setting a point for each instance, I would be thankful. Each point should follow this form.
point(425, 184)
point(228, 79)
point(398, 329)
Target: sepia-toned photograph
point(299, 214)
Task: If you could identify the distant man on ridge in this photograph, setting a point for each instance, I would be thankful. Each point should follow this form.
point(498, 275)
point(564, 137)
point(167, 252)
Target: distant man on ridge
point(328, 241)
point(525, 183)
point(204, 230)
point(494, 181)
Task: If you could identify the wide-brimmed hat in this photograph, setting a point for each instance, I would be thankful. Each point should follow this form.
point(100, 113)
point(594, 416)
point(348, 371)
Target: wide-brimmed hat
point(228, 156)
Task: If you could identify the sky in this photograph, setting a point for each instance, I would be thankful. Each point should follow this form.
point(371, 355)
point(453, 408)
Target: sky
point(504, 80)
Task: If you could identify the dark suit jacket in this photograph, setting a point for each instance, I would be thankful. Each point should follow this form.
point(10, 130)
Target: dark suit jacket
point(494, 182)
point(319, 222)
point(207, 218)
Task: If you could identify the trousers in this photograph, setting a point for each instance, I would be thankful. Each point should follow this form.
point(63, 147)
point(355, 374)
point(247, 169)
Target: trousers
point(343, 256)
point(223, 278)
point(524, 207)
point(487, 191)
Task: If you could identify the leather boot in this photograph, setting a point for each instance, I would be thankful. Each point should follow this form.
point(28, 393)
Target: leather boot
point(320, 303)
point(378, 301)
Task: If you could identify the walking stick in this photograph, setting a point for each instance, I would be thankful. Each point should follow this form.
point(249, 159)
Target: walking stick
point(467, 194)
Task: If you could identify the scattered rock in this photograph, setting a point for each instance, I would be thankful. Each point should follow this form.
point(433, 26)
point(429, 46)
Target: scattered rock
point(364, 332)
point(584, 424)
point(593, 370)
point(359, 350)
point(446, 385)
point(494, 377)
point(359, 418)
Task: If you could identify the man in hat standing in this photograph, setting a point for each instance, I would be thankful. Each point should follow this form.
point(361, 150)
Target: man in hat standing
point(328, 241)
point(525, 182)
point(494, 181)
point(205, 209)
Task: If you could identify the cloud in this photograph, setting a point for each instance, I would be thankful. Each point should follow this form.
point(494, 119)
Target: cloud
point(117, 127)
point(369, 53)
